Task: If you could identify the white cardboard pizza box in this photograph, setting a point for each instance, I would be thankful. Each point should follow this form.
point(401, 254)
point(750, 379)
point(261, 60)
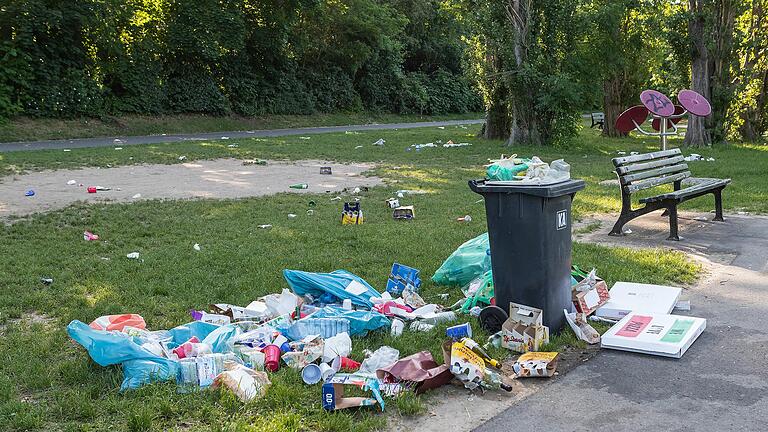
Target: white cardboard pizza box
point(629, 297)
point(655, 334)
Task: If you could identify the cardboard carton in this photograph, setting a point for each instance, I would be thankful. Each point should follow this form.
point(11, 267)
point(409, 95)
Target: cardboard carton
point(352, 214)
point(523, 331)
point(588, 298)
point(403, 213)
point(629, 297)
point(536, 364)
point(333, 392)
point(655, 334)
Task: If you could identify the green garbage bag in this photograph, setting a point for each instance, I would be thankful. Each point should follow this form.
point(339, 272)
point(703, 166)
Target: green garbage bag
point(479, 292)
point(506, 169)
point(469, 261)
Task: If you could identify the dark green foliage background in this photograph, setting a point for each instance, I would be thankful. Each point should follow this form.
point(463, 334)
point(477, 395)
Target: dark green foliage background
point(69, 58)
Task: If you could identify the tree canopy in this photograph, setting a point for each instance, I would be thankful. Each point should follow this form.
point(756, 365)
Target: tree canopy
point(533, 66)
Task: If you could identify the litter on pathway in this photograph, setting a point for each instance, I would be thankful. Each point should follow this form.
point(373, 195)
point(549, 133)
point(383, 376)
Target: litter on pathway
point(29, 193)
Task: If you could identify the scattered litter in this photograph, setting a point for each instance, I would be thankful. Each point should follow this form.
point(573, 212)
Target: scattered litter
point(351, 133)
point(441, 127)
point(683, 305)
point(451, 144)
point(628, 296)
point(305, 137)
point(67, 150)
point(71, 183)
point(299, 186)
point(459, 332)
point(654, 333)
point(710, 159)
point(536, 364)
point(89, 236)
point(247, 384)
point(337, 198)
point(590, 293)
point(291, 215)
point(379, 142)
point(254, 162)
point(524, 331)
point(117, 140)
point(137, 196)
point(393, 203)
point(466, 218)
point(196, 247)
point(333, 392)
point(29, 193)
point(232, 146)
point(700, 218)
point(396, 329)
point(420, 369)
point(182, 158)
point(468, 262)
point(326, 170)
point(118, 148)
point(266, 226)
point(627, 231)
point(352, 214)
point(380, 358)
point(634, 153)
point(403, 213)
point(581, 327)
point(133, 255)
point(618, 152)
point(402, 277)
point(358, 147)
point(226, 138)
point(46, 280)
point(310, 212)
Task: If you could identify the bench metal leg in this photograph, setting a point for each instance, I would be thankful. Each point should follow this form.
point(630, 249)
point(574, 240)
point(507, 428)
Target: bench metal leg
point(673, 223)
point(718, 205)
point(618, 227)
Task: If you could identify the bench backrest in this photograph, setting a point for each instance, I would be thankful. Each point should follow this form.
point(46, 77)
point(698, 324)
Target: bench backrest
point(598, 116)
point(648, 170)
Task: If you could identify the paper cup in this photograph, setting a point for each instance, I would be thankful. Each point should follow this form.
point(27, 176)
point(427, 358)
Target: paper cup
point(311, 374)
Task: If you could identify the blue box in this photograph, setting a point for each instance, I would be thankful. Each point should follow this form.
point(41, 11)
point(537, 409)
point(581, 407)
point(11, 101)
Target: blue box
point(402, 276)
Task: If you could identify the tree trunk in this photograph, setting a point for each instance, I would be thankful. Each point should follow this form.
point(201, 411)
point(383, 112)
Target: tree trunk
point(720, 62)
point(753, 119)
point(697, 134)
point(525, 124)
point(613, 105)
point(497, 124)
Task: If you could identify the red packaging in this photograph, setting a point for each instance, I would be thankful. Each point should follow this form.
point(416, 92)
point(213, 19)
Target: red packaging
point(183, 350)
point(91, 189)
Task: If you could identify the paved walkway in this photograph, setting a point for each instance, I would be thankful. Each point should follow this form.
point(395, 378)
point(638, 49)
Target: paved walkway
point(154, 139)
point(720, 384)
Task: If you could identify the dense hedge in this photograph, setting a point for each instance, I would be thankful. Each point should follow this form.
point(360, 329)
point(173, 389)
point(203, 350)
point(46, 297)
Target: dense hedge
point(65, 58)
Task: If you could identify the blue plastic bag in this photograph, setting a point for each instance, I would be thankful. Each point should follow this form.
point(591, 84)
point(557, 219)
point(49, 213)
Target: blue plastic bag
point(140, 366)
point(471, 260)
point(360, 322)
point(340, 283)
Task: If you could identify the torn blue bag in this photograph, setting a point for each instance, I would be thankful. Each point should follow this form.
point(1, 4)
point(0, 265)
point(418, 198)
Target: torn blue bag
point(340, 283)
point(140, 366)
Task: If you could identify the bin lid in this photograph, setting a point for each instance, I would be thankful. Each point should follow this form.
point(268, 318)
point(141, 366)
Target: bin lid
point(545, 191)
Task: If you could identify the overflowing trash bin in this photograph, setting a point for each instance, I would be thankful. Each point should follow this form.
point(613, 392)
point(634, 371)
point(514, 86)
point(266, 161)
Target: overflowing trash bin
point(529, 229)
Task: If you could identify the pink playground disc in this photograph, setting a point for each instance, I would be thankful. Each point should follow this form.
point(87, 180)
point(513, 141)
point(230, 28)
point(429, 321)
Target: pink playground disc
point(695, 103)
point(657, 103)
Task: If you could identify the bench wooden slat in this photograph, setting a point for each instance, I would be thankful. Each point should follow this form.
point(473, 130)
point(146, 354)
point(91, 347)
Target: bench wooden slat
point(627, 179)
point(626, 169)
point(682, 193)
point(656, 181)
point(644, 157)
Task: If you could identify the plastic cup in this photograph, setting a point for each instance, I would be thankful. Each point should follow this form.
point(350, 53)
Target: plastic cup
point(347, 304)
point(311, 374)
point(459, 331)
point(345, 363)
point(272, 358)
point(326, 371)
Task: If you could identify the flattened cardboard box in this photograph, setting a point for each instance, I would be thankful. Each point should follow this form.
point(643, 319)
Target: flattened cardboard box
point(523, 331)
point(656, 334)
point(629, 297)
point(589, 300)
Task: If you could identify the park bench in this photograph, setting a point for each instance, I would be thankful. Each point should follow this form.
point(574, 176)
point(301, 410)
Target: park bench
point(598, 119)
point(650, 170)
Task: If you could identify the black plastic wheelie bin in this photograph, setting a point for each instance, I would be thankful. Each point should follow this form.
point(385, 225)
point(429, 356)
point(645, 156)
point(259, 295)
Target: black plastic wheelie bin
point(529, 229)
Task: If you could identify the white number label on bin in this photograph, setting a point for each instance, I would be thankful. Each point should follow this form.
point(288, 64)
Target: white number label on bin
point(562, 219)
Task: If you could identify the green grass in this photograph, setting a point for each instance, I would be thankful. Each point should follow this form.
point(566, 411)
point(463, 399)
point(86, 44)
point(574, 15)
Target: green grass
point(48, 383)
point(30, 129)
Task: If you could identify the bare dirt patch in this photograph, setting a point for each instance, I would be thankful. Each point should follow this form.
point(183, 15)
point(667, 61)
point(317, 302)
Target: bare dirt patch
point(221, 178)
